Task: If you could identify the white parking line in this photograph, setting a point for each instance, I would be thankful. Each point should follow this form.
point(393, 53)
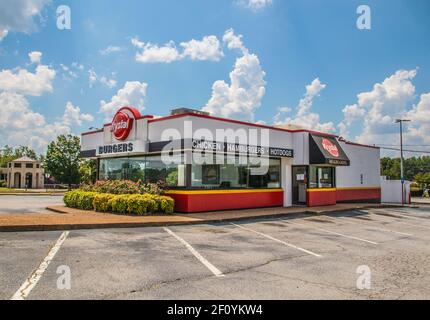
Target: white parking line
point(35, 276)
point(332, 232)
point(397, 220)
point(199, 257)
point(280, 241)
point(369, 225)
point(398, 215)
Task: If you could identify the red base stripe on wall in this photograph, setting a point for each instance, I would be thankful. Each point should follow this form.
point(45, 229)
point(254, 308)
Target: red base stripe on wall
point(196, 202)
point(356, 194)
point(321, 197)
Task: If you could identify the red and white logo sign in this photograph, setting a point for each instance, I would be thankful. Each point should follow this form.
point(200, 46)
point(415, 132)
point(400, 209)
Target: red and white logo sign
point(122, 122)
point(330, 147)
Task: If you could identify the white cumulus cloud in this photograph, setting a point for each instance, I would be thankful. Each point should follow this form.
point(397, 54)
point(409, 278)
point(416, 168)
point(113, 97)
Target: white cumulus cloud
point(304, 116)
point(254, 5)
point(18, 15)
point(132, 94)
point(20, 125)
point(35, 57)
point(209, 48)
point(27, 82)
point(111, 49)
point(73, 115)
point(243, 95)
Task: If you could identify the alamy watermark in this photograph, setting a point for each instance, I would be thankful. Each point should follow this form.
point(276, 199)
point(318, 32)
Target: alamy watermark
point(364, 278)
point(364, 21)
point(64, 281)
point(64, 18)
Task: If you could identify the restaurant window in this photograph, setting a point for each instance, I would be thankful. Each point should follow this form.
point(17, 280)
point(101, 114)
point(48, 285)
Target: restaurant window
point(235, 172)
point(148, 169)
point(29, 165)
point(169, 171)
point(17, 165)
point(321, 177)
point(114, 169)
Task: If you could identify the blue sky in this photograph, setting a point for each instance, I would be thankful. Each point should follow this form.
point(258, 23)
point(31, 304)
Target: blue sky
point(301, 62)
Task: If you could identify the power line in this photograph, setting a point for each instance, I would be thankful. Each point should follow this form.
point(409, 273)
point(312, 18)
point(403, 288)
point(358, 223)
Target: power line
point(406, 150)
point(407, 145)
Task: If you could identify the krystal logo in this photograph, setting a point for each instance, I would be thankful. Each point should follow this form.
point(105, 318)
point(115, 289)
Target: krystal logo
point(122, 122)
point(330, 147)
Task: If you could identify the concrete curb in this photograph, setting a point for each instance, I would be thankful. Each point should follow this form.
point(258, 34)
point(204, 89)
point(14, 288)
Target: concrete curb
point(86, 226)
point(31, 194)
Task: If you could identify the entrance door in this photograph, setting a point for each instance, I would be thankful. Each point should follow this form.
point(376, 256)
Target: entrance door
point(17, 180)
point(300, 184)
point(29, 180)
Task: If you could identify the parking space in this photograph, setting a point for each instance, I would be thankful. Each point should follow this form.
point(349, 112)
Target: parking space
point(300, 257)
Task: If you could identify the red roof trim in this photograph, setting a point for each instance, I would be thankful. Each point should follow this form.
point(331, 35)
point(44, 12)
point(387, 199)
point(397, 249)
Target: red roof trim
point(236, 122)
point(152, 119)
point(138, 118)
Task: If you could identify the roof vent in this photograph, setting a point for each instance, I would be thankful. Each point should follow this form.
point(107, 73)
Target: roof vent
point(187, 110)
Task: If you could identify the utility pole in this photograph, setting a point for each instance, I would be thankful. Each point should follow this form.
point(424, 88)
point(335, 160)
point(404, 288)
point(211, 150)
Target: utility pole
point(402, 176)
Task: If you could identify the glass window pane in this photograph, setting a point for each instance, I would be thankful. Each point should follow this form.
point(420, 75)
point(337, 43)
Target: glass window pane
point(237, 172)
point(313, 177)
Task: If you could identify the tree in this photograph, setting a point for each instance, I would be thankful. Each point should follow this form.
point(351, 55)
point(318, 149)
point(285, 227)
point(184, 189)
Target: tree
point(63, 159)
point(88, 171)
point(24, 151)
point(8, 154)
point(423, 179)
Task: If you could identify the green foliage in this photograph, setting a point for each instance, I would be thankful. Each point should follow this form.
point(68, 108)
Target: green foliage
point(88, 171)
point(79, 199)
point(134, 204)
point(63, 159)
point(390, 167)
point(422, 179)
point(7, 154)
point(172, 178)
point(124, 187)
point(167, 204)
point(119, 204)
point(101, 202)
point(2, 184)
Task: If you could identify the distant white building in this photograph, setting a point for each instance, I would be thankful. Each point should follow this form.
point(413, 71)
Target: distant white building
point(23, 173)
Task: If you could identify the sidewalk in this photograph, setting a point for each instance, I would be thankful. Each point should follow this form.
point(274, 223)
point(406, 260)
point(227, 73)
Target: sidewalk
point(420, 200)
point(64, 218)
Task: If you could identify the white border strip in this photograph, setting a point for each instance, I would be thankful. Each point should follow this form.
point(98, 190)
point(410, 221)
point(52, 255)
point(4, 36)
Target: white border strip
point(205, 262)
point(280, 241)
point(34, 278)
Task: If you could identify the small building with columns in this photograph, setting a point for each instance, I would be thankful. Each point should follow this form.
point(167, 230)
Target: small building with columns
point(23, 173)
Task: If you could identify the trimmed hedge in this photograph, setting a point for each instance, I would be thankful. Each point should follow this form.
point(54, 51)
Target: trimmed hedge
point(138, 204)
point(79, 199)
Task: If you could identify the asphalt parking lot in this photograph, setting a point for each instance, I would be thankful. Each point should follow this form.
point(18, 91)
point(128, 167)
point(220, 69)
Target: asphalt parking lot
point(27, 204)
point(295, 257)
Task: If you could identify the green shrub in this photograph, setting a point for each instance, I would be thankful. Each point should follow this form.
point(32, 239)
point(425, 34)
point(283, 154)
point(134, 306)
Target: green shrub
point(167, 204)
point(79, 199)
point(416, 192)
point(2, 184)
point(101, 202)
point(119, 203)
point(138, 204)
point(124, 187)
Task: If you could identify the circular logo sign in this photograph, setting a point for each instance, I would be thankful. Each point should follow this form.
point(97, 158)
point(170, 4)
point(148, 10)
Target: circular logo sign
point(330, 147)
point(121, 125)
